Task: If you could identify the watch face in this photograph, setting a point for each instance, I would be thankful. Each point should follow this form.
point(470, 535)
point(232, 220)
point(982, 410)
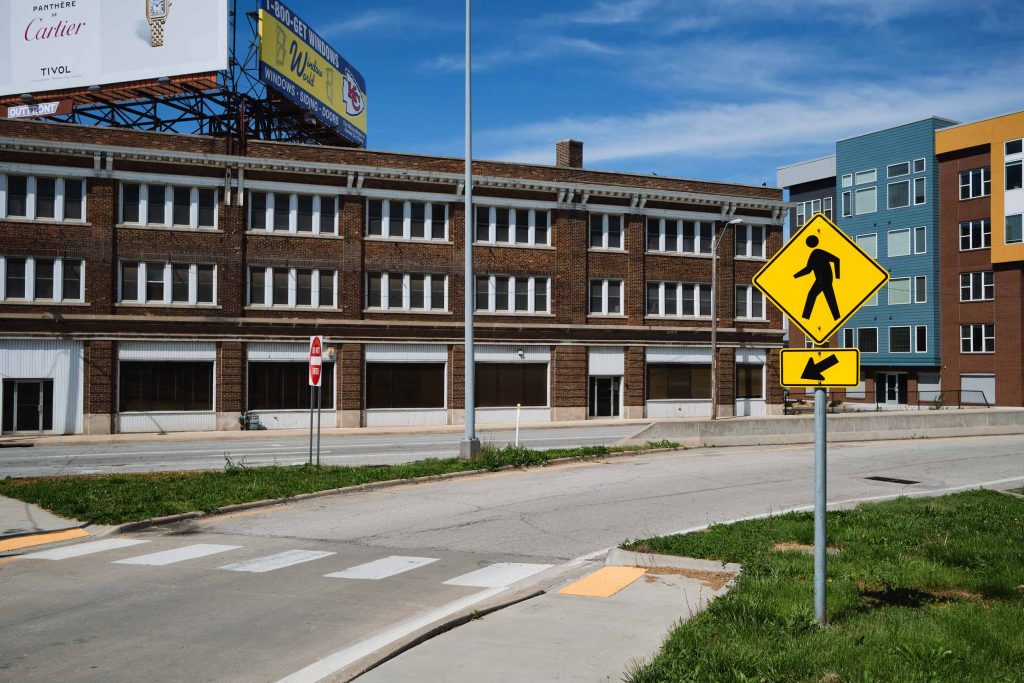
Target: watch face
point(157, 8)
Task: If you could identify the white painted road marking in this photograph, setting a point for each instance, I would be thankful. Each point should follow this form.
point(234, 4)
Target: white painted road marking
point(84, 549)
point(258, 565)
point(383, 568)
point(498, 575)
point(319, 670)
point(189, 552)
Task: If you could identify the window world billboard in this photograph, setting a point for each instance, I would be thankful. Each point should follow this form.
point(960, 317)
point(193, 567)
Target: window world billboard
point(50, 46)
point(297, 63)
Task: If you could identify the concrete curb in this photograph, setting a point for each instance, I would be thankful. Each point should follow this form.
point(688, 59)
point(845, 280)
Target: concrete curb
point(129, 527)
point(618, 557)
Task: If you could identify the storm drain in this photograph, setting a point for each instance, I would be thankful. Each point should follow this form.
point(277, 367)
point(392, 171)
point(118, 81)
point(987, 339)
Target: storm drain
point(893, 480)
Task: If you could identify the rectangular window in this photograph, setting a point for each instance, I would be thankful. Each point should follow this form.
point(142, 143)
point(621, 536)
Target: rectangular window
point(678, 382)
point(155, 281)
point(498, 225)
point(750, 241)
point(899, 291)
point(899, 339)
point(919, 191)
point(304, 213)
point(405, 385)
point(207, 214)
point(653, 235)
point(303, 287)
point(977, 338)
point(74, 199)
point(975, 235)
point(44, 278)
point(71, 276)
point(977, 286)
point(920, 289)
point(181, 213)
point(396, 290)
point(899, 243)
point(285, 385)
point(749, 381)
point(282, 212)
point(849, 338)
point(164, 386)
point(417, 220)
point(899, 194)
point(258, 211)
point(749, 303)
point(328, 211)
point(919, 165)
point(921, 339)
point(869, 243)
point(1012, 147)
point(16, 278)
point(678, 236)
point(257, 284)
point(826, 207)
point(605, 297)
point(541, 233)
point(866, 201)
point(507, 385)
point(975, 183)
point(129, 282)
point(501, 226)
point(156, 205)
point(326, 291)
point(920, 239)
point(438, 216)
point(1014, 181)
point(204, 284)
point(605, 231)
point(279, 286)
point(1014, 229)
point(896, 170)
point(848, 180)
point(180, 275)
point(17, 196)
point(867, 338)
point(375, 218)
point(46, 197)
point(847, 204)
point(375, 290)
point(869, 176)
point(521, 220)
point(129, 201)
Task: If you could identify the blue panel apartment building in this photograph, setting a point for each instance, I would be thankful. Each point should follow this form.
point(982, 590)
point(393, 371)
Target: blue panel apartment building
point(886, 198)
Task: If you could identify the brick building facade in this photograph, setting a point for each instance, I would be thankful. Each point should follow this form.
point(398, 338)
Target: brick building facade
point(150, 282)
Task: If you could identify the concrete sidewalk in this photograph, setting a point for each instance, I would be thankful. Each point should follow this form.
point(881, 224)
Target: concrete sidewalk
point(595, 629)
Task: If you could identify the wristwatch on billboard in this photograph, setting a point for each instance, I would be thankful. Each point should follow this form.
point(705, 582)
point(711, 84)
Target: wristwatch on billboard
point(156, 14)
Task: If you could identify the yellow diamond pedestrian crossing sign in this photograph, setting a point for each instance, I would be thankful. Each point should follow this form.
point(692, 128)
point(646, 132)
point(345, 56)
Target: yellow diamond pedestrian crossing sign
point(820, 278)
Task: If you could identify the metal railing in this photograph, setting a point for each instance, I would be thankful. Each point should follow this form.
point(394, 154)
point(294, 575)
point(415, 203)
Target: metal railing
point(947, 399)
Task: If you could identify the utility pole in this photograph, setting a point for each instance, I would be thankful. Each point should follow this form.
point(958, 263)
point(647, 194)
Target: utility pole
point(470, 445)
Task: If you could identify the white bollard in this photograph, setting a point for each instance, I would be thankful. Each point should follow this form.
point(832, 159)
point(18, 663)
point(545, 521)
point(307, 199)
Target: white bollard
point(518, 408)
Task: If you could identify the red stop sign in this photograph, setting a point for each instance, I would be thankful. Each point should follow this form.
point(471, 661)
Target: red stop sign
point(316, 353)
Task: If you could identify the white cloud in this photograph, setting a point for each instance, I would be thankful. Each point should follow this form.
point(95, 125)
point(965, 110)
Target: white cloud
point(540, 49)
point(387, 18)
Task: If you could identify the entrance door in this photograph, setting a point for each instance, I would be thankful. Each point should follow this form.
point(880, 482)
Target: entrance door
point(28, 405)
point(604, 396)
point(891, 388)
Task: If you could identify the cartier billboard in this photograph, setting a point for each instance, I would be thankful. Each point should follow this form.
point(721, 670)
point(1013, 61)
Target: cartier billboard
point(52, 46)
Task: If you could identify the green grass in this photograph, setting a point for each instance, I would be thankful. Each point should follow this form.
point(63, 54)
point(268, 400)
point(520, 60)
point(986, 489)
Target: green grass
point(120, 498)
point(921, 590)
point(1018, 491)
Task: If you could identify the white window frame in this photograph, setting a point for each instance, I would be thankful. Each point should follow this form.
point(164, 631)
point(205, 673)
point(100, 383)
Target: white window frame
point(910, 337)
point(920, 245)
point(293, 213)
point(30, 281)
point(985, 339)
point(168, 222)
point(860, 338)
point(406, 304)
point(268, 288)
point(703, 233)
point(986, 178)
point(850, 337)
point(913, 189)
point(866, 176)
point(914, 345)
point(692, 289)
point(889, 288)
point(873, 253)
point(864, 190)
point(404, 230)
point(492, 227)
point(971, 226)
point(915, 291)
point(889, 243)
point(924, 165)
point(31, 208)
point(847, 180)
point(977, 281)
point(888, 196)
point(168, 271)
point(826, 207)
point(751, 293)
point(1006, 228)
point(847, 202)
point(747, 240)
point(889, 173)
point(606, 231)
point(531, 296)
point(605, 287)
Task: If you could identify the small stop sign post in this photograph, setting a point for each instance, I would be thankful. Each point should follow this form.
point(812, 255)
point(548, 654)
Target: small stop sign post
point(316, 371)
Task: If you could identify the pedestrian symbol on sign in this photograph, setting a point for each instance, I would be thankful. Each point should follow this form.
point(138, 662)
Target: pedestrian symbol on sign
point(820, 263)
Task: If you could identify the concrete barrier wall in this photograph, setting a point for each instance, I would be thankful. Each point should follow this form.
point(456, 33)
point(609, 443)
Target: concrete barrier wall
point(843, 427)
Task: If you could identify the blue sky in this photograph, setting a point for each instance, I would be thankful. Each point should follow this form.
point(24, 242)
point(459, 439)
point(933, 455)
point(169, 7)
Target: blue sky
point(716, 89)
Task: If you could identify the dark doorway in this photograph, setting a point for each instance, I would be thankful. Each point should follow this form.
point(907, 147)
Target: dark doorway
point(604, 396)
point(28, 405)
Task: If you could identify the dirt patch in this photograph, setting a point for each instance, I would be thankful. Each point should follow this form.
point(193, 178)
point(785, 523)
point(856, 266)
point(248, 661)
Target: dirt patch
point(799, 548)
point(713, 580)
point(887, 596)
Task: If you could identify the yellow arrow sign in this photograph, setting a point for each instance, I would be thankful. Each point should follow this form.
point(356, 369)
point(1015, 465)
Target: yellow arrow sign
point(820, 367)
point(820, 278)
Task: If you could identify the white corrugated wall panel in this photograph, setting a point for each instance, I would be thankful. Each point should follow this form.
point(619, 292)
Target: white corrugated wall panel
point(296, 419)
point(509, 353)
point(406, 353)
point(490, 416)
point(974, 386)
point(397, 417)
point(750, 407)
point(283, 351)
point(166, 350)
point(678, 409)
point(606, 360)
point(57, 360)
point(751, 356)
point(166, 422)
point(679, 354)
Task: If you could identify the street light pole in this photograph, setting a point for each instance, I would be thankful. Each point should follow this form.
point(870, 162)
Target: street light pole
point(714, 315)
point(470, 445)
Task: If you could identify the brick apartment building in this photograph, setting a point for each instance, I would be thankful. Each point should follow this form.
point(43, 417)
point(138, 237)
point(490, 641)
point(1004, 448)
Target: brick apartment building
point(150, 282)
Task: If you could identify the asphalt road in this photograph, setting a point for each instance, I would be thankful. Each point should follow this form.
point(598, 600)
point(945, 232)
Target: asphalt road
point(369, 449)
point(188, 613)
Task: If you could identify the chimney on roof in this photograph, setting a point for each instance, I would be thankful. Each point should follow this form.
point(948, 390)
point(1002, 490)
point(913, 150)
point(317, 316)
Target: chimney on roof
point(569, 153)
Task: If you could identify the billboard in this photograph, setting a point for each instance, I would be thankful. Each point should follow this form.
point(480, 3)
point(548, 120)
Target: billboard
point(79, 43)
point(297, 63)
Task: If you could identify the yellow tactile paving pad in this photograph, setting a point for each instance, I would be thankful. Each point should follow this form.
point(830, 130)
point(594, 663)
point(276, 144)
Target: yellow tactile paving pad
point(41, 539)
point(605, 582)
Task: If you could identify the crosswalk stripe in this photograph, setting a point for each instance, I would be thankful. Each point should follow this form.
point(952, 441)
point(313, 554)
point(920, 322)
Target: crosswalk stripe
point(84, 549)
point(258, 565)
point(188, 552)
point(498, 575)
point(383, 568)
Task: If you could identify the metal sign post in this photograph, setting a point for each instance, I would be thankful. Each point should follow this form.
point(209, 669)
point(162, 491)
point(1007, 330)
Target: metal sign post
point(316, 367)
point(840, 277)
point(319, 399)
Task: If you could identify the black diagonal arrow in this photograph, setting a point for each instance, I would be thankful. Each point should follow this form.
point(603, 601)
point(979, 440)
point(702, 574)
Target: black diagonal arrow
point(813, 370)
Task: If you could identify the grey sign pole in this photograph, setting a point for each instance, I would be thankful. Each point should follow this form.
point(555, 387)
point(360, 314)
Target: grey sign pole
point(310, 424)
point(470, 444)
point(319, 399)
point(819, 505)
